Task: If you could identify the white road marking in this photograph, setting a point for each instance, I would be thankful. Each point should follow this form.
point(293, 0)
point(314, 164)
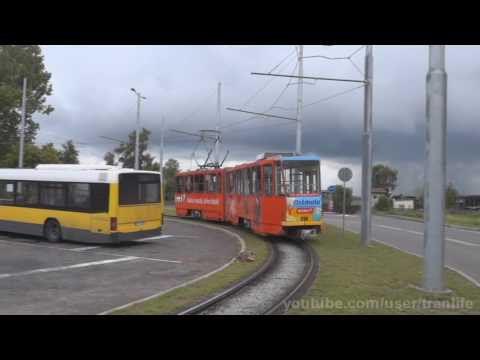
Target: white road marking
point(85, 248)
point(421, 234)
point(155, 238)
point(93, 252)
point(243, 246)
point(68, 267)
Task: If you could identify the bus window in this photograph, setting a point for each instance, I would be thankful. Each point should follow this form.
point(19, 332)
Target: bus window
point(267, 180)
point(53, 195)
point(7, 192)
point(27, 193)
point(79, 196)
point(139, 189)
point(100, 194)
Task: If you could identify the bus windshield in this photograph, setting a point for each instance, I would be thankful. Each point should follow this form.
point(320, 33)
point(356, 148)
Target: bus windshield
point(298, 177)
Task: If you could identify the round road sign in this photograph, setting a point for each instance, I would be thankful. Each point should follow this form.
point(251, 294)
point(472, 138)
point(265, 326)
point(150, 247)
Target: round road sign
point(345, 174)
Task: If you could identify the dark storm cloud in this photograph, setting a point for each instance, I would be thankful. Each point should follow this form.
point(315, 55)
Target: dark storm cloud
point(92, 98)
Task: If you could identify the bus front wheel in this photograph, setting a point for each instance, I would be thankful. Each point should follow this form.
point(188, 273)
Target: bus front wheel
point(53, 231)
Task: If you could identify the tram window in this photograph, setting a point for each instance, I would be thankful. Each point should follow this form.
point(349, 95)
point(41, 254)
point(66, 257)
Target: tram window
point(267, 180)
point(255, 178)
point(53, 194)
point(199, 184)
point(7, 192)
point(246, 182)
point(188, 184)
point(27, 193)
point(79, 196)
point(230, 184)
point(212, 183)
point(237, 182)
point(177, 184)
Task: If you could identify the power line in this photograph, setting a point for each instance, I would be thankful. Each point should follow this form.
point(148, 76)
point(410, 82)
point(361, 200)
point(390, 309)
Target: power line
point(266, 85)
point(334, 96)
point(270, 108)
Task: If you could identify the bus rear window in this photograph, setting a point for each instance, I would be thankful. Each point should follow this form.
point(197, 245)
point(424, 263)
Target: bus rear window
point(139, 189)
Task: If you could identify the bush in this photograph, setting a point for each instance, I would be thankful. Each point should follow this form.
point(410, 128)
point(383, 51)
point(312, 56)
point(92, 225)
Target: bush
point(384, 204)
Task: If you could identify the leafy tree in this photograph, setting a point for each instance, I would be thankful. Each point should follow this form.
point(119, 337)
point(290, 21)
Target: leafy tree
point(49, 155)
point(338, 199)
point(33, 155)
point(384, 177)
point(169, 171)
point(69, 154)
point(126, 153)
point(110, 158)
point(384, 203)
point(451, 195)
point(17, 62)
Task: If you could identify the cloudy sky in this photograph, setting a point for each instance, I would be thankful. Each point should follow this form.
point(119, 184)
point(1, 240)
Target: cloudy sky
point(92, 98)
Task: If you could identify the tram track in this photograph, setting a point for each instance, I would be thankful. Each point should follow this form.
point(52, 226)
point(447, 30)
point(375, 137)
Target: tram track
point(285, 276)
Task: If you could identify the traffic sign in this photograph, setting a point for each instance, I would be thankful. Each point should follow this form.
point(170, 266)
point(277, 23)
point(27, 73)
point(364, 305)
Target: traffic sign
point(332, 188)
point(345, 174)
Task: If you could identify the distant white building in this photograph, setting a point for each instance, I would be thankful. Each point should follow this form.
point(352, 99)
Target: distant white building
point(404, 202)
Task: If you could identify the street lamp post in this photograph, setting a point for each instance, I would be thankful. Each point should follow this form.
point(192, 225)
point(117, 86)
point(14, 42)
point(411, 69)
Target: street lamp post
point(137, 132)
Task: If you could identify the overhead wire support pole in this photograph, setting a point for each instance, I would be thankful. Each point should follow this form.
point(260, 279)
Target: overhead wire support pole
point(435, 171)
point(298, 142)
point(22, 125)
point(137, 131)
point(367, 156)
point(162, 148)
point(262, 114)
point(219, 121)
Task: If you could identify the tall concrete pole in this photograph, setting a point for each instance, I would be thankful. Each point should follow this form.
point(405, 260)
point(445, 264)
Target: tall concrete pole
point(367, 157)
point(435, 170)
point(219, 121)
point(22, 124)
point(298, 146)
point(162, 147)
point(137, 135)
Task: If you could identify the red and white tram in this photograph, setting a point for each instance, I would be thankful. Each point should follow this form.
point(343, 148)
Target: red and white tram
point(279, 194)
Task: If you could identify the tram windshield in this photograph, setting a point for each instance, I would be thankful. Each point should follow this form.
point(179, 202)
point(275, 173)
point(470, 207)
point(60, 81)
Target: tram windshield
point(298, 177)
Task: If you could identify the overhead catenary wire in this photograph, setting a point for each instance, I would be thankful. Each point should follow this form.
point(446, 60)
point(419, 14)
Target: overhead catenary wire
point(269, 108)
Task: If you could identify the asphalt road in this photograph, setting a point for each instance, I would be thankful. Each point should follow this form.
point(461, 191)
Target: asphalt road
point(462, 248)
point(37, 277)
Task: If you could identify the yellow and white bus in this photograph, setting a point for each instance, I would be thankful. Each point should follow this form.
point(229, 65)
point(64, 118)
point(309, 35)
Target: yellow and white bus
point(81, 203)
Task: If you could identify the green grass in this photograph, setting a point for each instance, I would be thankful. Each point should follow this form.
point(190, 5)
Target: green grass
point(463, 219)
point(169, 210)
point(175, 301)
point(359, 277)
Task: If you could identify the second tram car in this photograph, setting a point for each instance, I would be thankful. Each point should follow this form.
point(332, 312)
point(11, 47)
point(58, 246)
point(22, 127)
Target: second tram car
point(279, 194)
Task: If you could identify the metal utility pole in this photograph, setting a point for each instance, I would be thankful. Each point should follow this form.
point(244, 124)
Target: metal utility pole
point(299, 100)
point(435, 170)
point(219, 121)
point(22, 125)
point(367, 156)
point(137, 132)
point(162, 148)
